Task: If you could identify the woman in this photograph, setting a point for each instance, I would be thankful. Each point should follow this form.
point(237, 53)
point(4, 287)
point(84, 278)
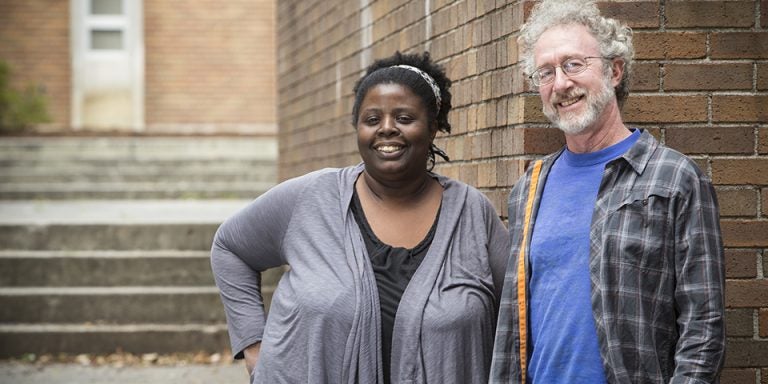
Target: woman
point(395, 271)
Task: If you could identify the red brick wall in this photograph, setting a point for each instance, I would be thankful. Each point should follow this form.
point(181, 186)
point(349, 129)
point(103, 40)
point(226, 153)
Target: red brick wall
point(210, 65)
point(34, 41)
point(701, 86)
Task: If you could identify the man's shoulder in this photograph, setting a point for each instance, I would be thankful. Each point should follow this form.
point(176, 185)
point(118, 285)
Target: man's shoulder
point(672, 170)
point(671, 160)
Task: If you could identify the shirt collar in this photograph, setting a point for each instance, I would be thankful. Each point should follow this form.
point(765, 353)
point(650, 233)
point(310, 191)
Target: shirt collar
point(640, 153)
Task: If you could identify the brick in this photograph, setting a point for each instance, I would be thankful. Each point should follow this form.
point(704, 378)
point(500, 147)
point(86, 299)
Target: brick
point(746, 353)
point(686, 77)
point(512, 140)
point(738, 376)
point(764, 200)
point(641, 14)
point(737, 202)
point(498, 198)
point(702, 163)
point(542, 141)
point(732, 108)
point(764, 24)
point(739, 322)
point(765, 262)
point(740, 264)
point(746, 294)
point(685, 14)
point(468, 174)
point(486, 174)
point(645, 77)
point(670, 45)
point(718, 140)
point(668, 109)
point(482, 116)
point(739, 45)
point(740, 171)
point(762, 140)
point(762, 76)
point(532, 112)
point(513, 54)
point(744, 233)
point(508, 171)
point(482, 141)
point(763, 322)
point(502, 107)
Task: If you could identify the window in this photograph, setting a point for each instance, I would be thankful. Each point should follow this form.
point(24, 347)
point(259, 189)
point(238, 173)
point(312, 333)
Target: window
point(106, 7)
point(105, 39)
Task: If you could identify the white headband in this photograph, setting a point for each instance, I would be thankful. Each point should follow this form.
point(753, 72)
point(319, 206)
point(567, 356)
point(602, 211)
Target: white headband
point(428, 79)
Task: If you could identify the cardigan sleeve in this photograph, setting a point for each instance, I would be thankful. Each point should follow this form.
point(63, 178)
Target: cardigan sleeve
point(498, 248)
point(246, 244)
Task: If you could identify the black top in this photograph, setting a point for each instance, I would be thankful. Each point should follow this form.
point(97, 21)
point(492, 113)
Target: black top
point(393, 268)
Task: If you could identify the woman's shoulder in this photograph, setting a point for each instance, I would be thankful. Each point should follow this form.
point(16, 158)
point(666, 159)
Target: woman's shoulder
point(320, 176)
point(471, 194)
point(320, 186)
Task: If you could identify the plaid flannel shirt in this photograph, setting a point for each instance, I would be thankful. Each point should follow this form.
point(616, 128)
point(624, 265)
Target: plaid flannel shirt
point(656, 267)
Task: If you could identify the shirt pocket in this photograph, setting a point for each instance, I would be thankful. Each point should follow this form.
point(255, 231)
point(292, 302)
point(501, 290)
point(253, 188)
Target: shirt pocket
point(639, 232)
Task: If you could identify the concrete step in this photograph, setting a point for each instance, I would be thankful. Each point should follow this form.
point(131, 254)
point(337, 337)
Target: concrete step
point(136, 173)
point(137, 167)
point(111, 305)
point(111, 212)
point(112, 224)
point(107, 236)
point(22, 268)
point(61, 168)
point(133, 190)
point(19, 339)
point(137, 148)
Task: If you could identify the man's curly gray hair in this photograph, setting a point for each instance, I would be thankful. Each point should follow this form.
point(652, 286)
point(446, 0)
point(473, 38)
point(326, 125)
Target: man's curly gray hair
point(613, 36)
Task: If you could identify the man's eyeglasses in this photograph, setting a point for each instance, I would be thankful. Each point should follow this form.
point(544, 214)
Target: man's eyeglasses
point(571, 67)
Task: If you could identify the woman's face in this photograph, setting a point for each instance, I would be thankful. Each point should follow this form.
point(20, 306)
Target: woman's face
point(393, 133)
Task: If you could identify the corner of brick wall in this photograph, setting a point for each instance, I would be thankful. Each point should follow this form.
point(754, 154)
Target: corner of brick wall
point(700, 86)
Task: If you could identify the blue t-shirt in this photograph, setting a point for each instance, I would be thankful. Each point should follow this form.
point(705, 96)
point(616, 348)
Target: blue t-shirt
point(565, 347)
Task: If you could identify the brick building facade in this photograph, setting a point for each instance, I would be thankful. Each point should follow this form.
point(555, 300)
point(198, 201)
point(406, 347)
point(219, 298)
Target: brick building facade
point(207, 66)
point(700, 86)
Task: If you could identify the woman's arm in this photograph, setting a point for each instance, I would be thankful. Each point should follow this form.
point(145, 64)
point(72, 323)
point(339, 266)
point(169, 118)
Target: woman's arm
point(252, 357)
point(246, 244)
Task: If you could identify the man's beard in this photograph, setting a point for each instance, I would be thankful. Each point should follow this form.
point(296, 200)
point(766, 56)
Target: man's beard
point(574, 123)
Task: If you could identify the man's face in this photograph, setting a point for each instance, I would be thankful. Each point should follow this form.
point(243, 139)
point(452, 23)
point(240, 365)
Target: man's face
point(578, 102)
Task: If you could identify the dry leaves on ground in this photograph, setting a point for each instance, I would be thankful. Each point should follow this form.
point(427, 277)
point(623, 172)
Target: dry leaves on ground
point(123, 359)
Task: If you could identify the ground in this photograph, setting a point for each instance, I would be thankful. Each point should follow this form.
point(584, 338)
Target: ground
point(123, 368)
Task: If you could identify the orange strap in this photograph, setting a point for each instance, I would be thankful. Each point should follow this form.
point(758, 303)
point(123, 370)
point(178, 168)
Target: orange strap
point(522, 303)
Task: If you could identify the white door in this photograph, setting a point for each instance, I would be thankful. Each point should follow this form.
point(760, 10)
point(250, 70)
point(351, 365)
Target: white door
point(107, 65)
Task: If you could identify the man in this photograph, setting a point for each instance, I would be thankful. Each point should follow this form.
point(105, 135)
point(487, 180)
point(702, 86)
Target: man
point(616, 274)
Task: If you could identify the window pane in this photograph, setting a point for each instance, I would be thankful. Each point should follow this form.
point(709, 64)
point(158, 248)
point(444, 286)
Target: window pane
point(106, 39)
point(106, 7)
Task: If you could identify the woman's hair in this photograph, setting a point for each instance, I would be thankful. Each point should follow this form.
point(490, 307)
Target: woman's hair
point(613, 36)
point(387, 71)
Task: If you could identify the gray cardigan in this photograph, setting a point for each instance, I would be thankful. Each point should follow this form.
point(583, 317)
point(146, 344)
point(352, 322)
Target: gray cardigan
point(324, 322)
